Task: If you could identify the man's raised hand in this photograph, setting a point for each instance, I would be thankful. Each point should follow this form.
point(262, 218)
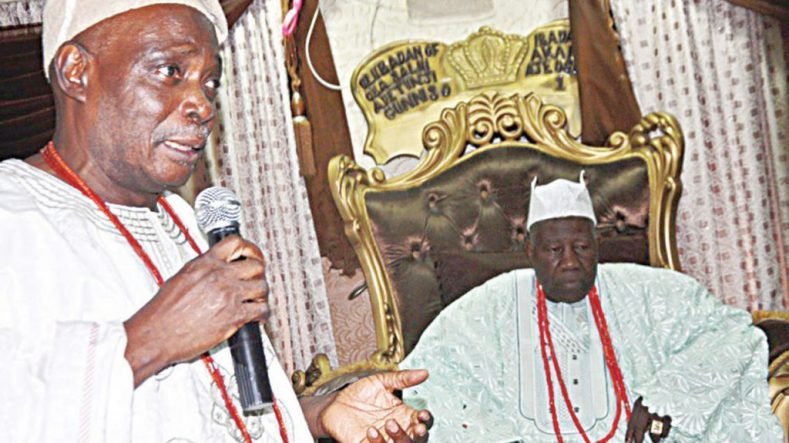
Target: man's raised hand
point(369, 412)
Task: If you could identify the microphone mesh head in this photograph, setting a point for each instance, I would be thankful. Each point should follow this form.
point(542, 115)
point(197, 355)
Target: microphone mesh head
point(217, 207)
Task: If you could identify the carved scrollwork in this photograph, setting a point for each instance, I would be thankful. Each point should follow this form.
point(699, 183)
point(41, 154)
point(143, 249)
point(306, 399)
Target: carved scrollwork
point(658, 139)
point(491, 115)
point(319, 366)
point(394, 353)
point(320, 379)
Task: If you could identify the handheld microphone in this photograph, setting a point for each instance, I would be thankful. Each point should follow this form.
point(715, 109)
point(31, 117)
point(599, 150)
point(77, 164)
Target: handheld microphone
point(218, 212)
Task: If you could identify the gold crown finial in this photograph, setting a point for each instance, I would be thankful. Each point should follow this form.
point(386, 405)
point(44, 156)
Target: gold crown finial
point(488, 57)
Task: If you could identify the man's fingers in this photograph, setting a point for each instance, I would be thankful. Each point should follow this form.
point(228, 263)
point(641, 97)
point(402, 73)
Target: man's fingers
point(421, 421)
point(255, 311)
point(373, 436)
point(665, 428)
point(421, 435)
point(234, 247)
point(424, 416)
point(250, 291)
point(248, 269)
point(636, 427)
point(403, 379)
point(396, 433)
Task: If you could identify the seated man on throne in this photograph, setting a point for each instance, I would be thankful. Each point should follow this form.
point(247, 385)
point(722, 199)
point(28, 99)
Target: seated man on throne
point(573, 351)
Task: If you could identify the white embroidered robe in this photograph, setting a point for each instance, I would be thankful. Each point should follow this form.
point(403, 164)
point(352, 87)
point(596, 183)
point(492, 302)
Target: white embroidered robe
point(68, 280)
point(687, 354)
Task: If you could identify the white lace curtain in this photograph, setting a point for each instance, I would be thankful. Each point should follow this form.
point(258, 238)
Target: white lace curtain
point(20, 12)
point(256, 158)
point(720, 69)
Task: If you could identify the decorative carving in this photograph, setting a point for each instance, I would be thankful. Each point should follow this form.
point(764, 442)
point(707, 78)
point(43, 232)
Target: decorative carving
point(403, 84)
point(319, 379)
point(488, 58)
point(302, 379)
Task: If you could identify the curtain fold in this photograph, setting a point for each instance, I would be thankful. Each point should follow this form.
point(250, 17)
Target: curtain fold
point(721, 70)
point(256, 157)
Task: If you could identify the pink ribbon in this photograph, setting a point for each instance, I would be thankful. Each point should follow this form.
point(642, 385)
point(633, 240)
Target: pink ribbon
point(291, 19)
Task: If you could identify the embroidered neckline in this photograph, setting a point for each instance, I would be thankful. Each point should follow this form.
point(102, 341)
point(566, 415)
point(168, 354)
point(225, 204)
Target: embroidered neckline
point(549, 354)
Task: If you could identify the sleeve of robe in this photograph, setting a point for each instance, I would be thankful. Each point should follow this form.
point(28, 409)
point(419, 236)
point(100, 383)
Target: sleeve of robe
point(60, 380)
point(691, 357)
point(462, 344)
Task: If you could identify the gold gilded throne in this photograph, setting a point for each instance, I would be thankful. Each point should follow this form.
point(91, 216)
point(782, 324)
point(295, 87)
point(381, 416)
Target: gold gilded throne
point(458, 218)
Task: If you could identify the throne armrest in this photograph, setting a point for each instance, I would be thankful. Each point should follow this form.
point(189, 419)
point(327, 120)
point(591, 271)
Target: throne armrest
point(320, 379)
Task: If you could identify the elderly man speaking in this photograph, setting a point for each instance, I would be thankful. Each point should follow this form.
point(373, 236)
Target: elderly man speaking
point(112, 319)
point(572, 351)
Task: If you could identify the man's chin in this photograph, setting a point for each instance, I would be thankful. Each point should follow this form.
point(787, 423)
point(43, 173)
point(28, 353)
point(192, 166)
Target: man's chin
point(570, 293)
point(177, 183)
point(177, 175)
point(172, 183)
point(562, 297)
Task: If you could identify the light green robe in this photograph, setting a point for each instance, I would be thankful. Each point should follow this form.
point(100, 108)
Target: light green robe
point(688, 355)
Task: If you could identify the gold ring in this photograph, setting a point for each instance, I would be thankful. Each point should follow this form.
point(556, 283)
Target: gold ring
point(656, 427)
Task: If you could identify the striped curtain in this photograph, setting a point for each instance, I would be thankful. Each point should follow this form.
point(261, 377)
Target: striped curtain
point(722, 71)
point(255, 156)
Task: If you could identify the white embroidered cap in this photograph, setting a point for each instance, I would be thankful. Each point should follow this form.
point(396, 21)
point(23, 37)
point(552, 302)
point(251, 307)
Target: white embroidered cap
point(64, 19)
point(558, 199)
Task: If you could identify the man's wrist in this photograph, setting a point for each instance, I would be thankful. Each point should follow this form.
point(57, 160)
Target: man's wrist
point(313, 408)
point(142, 354)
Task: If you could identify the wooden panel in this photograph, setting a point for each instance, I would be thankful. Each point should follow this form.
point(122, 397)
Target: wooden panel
point(331, 137)
point(27, 113)
point(774, 8)
point(608, 103)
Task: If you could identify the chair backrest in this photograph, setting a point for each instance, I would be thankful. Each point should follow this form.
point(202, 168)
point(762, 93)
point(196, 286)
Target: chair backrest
point(458, 218)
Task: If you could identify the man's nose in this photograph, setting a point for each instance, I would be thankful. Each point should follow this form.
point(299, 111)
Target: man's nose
point(569, 259)
point(197, 107)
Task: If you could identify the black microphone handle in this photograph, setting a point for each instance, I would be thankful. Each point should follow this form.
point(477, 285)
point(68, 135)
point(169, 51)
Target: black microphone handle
point(246, 348)
point(249, 361)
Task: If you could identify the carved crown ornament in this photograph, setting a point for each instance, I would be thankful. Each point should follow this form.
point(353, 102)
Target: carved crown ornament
point(402, 85)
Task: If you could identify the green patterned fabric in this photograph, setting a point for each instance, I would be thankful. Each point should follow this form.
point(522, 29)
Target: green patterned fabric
point(688, 355)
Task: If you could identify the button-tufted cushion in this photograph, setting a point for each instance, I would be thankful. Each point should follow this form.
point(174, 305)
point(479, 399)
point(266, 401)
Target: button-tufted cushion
point(467, 225)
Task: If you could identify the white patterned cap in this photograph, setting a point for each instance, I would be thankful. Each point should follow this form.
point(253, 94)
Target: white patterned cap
point(559, 199)
point(64, 19)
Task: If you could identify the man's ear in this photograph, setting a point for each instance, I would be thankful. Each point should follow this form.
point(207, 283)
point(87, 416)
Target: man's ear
point(70, 67)
point(529, 245)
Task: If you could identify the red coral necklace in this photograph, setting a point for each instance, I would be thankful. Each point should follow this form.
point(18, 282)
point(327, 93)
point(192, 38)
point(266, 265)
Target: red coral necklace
point(53, 159)
point(548, 353)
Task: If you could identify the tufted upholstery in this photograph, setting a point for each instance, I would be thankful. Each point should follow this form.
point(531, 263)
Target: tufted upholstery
point(435, 238)
point(458, 219)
